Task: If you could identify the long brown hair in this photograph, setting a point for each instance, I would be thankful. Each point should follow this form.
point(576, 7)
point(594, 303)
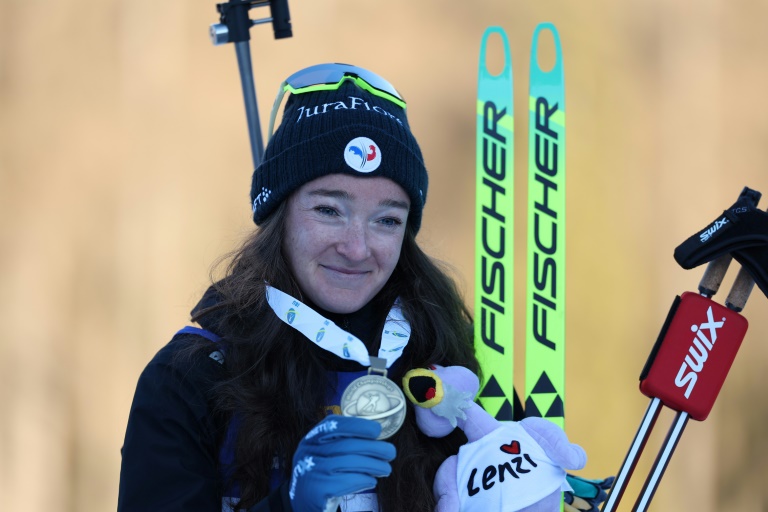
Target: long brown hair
point(273, 373)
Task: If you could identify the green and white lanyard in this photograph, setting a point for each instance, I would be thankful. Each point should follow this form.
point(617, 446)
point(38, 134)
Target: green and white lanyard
point(374, 397)
point(329, 336)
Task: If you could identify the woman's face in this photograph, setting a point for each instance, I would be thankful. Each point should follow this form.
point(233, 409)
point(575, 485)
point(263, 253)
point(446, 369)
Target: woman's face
point(343, 238)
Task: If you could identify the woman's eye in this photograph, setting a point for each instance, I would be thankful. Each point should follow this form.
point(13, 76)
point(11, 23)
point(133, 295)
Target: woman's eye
point(391, 221)
point(325, 210)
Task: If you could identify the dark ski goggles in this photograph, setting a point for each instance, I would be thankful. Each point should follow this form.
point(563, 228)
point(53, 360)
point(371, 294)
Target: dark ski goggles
point(329, 77)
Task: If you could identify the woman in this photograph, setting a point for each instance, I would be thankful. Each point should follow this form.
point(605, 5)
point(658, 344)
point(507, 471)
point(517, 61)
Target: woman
point(232, 414)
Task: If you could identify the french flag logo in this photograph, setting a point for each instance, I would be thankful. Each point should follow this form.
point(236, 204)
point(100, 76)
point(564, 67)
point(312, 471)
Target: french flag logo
point(362, 155)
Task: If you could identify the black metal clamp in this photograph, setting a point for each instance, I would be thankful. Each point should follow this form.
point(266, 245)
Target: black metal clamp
point(234, 27)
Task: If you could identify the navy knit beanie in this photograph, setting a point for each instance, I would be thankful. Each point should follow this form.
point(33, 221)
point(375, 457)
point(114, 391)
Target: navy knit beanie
point(349, 131)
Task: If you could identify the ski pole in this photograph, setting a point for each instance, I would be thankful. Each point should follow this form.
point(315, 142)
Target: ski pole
point(736, 300)
point(710, 283)
point(234, 27)
point(678, 365)
point(687, 367)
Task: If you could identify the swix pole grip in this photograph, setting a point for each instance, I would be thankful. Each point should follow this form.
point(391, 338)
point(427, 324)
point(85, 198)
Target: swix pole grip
point(695, 351)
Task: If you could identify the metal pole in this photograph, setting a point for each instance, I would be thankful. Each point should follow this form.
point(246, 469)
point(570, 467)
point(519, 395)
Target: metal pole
point(662, 460)
point(243, 51)
point(628, 467)
point(234, 27)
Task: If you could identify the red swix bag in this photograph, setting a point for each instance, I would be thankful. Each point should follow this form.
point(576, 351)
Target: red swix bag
point(693, 355)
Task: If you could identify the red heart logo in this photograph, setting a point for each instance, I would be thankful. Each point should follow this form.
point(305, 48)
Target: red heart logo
point(512, 448)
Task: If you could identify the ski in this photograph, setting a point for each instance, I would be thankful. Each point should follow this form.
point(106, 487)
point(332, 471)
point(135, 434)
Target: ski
point(545, 292)
point(494, 233)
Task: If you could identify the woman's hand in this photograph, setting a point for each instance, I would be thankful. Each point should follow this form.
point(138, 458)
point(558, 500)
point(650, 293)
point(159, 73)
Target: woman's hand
point(339, 456)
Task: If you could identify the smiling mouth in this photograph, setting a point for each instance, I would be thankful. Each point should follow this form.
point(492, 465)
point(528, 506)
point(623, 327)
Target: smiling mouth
point(345, 271)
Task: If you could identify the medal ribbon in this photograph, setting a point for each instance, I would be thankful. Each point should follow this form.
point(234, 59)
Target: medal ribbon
point(329, 336)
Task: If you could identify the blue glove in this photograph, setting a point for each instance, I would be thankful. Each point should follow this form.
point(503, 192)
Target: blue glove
point(339, 456)
point(587, 494)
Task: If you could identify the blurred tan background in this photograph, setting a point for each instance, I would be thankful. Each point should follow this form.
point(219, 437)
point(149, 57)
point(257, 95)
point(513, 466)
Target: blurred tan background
point(125, 171)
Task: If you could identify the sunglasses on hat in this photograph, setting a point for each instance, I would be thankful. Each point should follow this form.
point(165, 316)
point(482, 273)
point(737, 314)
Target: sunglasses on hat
point(330, 77)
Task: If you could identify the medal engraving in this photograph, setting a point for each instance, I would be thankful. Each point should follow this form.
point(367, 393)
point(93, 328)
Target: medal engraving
point(375, 398)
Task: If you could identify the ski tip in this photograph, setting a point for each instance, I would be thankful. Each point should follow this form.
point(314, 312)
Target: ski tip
point(506, 69)
point(557, 68)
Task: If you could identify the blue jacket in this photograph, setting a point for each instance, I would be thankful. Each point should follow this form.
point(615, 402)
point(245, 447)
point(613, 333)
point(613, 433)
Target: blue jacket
point(176, 450)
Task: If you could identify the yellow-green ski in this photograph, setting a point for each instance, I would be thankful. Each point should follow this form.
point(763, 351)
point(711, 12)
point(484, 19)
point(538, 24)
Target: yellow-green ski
point(545, 292)
point(494, 233)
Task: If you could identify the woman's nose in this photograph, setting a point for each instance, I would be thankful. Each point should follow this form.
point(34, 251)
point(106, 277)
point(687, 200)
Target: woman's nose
point(354, 243)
